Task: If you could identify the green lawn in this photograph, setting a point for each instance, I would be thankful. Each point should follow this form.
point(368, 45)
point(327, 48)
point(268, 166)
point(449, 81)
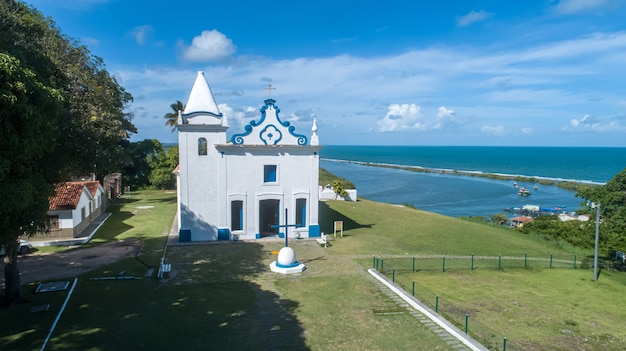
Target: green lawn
point(222, 296)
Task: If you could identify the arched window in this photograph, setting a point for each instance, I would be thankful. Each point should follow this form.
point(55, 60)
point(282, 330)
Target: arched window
point(202, 146)
point(236, 215)
point(301, 212)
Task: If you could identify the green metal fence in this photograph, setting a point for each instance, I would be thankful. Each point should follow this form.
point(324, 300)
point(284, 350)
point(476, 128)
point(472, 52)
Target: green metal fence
point(394, 266)
point(445, 263)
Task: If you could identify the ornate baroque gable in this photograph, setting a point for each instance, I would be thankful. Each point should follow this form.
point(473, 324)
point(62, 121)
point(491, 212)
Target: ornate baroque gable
point(269, 130)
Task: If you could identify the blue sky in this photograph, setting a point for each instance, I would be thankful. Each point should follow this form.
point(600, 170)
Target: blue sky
point(536, 72)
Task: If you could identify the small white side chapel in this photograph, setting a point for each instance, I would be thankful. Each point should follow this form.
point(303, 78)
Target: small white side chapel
point(244, 188)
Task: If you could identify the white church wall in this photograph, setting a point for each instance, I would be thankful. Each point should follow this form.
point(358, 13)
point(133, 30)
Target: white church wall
point(199, 191)
point(246, 173)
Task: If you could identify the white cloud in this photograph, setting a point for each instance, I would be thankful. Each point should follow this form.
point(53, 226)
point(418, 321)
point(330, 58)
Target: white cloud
point(141, 33)
point(592, 123)
point(302, 115)
point(401, 118)
point(445, 117)
point(471, 18)
point(493, 130)
point(504, 90)
point(444, 112)
point(227, 113)
point(210, 45)
point(568, 7)
point(585, 120)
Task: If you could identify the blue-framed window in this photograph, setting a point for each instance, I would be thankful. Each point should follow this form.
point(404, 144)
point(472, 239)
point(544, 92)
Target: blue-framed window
point(236, 215)
point(301, 212)
point(269, 174)
point(202, 147)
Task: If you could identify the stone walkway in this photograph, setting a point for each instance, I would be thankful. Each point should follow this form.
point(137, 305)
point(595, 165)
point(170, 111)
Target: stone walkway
point(444, 335)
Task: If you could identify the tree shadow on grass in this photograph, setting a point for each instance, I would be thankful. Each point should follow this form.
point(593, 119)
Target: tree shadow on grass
point(258, 318)
point(211, 300)
point(327, 217)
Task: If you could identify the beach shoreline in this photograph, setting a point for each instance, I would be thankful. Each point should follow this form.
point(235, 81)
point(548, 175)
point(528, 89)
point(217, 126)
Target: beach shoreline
point(568, 184)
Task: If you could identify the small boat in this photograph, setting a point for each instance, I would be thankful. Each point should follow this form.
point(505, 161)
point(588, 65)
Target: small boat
point(523, 192)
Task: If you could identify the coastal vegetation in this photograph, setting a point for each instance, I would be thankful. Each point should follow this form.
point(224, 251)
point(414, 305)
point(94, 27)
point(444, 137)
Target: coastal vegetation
point(611, 198)
point(219, 295)
point(326, 178)
point(565, 184)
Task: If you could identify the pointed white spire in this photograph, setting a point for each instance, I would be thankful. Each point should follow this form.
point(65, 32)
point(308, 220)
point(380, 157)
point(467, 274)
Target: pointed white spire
point(201, 98)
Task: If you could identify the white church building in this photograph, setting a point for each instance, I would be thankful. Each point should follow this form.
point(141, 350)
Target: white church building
point(244, 188)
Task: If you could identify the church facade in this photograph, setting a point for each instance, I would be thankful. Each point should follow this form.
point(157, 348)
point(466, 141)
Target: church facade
point(260, 183)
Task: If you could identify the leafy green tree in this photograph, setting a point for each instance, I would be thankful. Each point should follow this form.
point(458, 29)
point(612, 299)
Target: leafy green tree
point(138, 155)
point(30, 111)
point(94, 121)
point(612, 199)
point(62, 114)
point(339, 189)
point(162, 167)
point(498, 219)
point(172, 117)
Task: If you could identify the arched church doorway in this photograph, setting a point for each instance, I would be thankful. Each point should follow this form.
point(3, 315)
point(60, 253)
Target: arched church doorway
point(268, 216)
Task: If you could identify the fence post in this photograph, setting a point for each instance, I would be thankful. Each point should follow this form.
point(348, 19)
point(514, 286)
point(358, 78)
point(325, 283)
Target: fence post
point(574, 261)
point(466, 321)
point(382, 264)
point(413, 264)
point(525, 258)
point(413, 289)
point(499, 261)
point(612, 265)
point(550, 261)
point(504, 344)
point(373, 261)
point(436, 303)
point(443, 264)
point(393, 275)
point(472, 261)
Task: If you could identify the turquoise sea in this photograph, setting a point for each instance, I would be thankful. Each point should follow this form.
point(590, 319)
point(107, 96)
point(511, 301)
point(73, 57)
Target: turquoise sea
point(456, 195)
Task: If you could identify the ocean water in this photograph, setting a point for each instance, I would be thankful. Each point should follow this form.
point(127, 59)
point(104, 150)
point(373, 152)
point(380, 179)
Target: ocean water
point(457, 195)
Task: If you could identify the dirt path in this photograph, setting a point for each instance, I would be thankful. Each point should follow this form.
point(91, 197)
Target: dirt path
point(36, 267)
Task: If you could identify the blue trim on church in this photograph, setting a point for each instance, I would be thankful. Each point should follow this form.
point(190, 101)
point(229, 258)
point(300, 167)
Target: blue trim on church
point(314, 231)
point(238, 139)
point(223, 234)
point(201, 113)
point(184, 235)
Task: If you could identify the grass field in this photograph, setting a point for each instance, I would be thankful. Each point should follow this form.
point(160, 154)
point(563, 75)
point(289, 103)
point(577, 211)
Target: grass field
point(223, 296)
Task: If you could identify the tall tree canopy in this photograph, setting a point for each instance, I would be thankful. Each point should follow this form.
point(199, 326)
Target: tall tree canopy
point(137, 167)
point(61, 114)
point(612, 199)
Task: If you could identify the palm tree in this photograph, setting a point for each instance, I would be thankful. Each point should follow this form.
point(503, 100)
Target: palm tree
point(172, 117)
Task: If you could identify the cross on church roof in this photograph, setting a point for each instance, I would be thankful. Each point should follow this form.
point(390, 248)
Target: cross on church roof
point(269, 89)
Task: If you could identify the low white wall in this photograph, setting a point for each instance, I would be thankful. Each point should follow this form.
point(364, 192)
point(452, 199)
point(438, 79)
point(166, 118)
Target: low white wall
point(328, 194)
